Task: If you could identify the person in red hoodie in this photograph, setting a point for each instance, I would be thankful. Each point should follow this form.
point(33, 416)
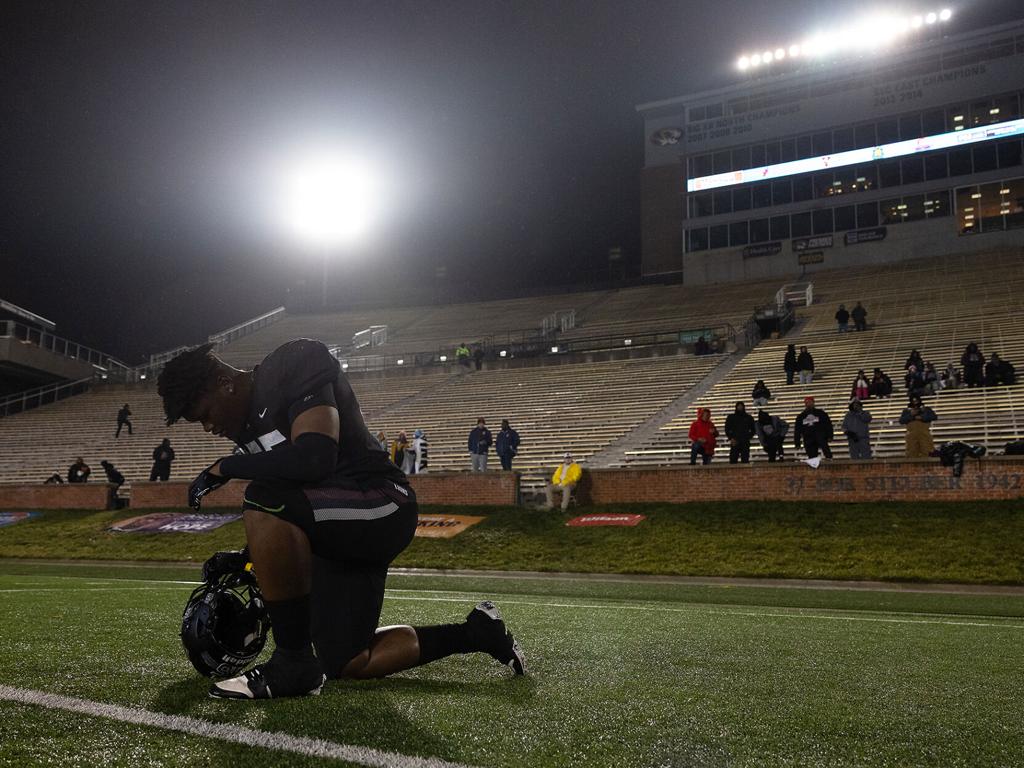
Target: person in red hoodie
point(702, 437)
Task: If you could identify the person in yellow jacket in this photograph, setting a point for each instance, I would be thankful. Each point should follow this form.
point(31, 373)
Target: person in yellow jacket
point(566, 475)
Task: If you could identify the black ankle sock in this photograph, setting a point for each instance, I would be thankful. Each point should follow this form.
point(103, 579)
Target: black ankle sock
point(443, 640)
point(289, 621)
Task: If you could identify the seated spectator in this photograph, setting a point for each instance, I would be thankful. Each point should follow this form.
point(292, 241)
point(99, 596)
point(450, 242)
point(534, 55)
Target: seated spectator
point(701, 347)
point(881, 384)
point(566, 476)
point(761, 394)
point(856, 427)
point(914, 360)
point(860, 318)
point(703, 434)
point(805, 365)
point(771, 433)
point(917, 417)
point(914, 381)
point(861, 389)
point(973, 363)
point(843, 319)
point(950, 378)
point(79, 471)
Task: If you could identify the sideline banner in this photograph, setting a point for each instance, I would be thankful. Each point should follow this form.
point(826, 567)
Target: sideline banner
point(172, 522)
point(444, 526)
point(591, 520)
point(10, 518)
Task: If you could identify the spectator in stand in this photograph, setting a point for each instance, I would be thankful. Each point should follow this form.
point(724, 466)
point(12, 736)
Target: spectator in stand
point(814, 430)
point(999, 371)
point(566, 476)
point(860, 318)
point(740, 430)
point(805, 364)
point(931, 379)
point(950, 378)
point(506, 445)
point(918, 417)
point(856, 427)
point(399, 448)
point(913, 381)
point(761, 394)
point(973, 363)
point(771, 432)
point(462, 355)
point(843, 319)
point(881, 384)
point(478, 357)
point(701, 347)
point(914, 361)
point(703, 436)
point(418, 453)
point(861, 389)
point(163, 455)
point(789, 363)
point(79, 471)
point(122, 420)
point(479, 444)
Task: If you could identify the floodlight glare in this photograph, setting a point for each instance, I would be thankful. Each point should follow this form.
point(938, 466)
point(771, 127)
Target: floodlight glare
point(945, 14)
point(330, 200)
point(743, 63)
point(931, 18)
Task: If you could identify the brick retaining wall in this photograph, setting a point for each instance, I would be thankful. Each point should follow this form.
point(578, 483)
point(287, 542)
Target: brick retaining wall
point(907, 480)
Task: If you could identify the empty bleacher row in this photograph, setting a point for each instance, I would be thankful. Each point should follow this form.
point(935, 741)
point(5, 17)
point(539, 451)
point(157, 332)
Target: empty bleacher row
point(935, 306)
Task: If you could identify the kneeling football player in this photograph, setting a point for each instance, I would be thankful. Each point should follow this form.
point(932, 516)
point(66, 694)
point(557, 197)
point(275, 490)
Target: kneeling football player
point(325, 512)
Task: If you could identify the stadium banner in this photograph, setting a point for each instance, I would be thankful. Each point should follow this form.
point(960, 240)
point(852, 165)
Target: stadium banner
point(444, 526)
point(592, 520)
point(865, 235)
point(810, 257)
point(12, 518)
point(173, 522)
point(764, 249)
point(812, 243)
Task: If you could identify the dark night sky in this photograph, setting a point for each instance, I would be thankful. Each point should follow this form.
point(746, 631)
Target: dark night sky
point(136, 137)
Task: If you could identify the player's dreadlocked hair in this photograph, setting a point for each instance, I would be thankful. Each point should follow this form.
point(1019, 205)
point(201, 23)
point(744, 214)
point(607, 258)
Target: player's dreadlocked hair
point(184, 379)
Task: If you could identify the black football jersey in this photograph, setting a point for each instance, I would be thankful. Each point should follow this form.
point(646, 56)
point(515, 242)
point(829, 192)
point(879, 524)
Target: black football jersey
point(300, 375)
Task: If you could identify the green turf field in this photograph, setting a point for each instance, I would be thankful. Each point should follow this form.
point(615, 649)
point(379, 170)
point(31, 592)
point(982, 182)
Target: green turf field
point(622, 674)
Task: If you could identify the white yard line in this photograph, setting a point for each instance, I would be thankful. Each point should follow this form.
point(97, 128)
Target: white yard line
point(275, 740)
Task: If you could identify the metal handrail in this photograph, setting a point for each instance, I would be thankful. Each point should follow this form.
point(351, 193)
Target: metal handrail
point(51, 393)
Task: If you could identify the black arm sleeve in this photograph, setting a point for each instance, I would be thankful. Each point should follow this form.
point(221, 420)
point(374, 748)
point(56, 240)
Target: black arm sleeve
point(310, 458)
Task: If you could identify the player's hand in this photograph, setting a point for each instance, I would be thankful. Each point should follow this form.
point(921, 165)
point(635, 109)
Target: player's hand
point(221, 563)
point(205, 481)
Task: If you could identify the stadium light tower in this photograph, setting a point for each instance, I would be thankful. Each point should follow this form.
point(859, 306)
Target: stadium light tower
point(330, 202)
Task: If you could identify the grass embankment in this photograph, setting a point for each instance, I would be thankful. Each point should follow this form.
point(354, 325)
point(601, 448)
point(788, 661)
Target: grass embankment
point(905, 541)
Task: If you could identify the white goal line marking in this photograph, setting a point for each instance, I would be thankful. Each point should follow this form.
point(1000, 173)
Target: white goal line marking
point(282, 742)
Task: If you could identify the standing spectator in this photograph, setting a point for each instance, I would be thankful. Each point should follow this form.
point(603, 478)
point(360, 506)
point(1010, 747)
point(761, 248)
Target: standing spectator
point(918, 417)
point(701, 347)
point(740, 430)
point(814, 430)
point(382, 441)
point(950, 378)
point(163, 455)
point(418, 453)
point(761, 394)
point(860, 318)
point(478, 357)
point(843, 319)
point(881, 384)
point(566, 476)
point(771, 432)
point(399, 449)
point(479, 444)
point(79, 471)
point(506, 445)
point(973, 363)
point(462, 355)
point(122, 420)
point(861, 386)
point(805, 364)
point(914, 360)
point(856, 427)
point(703, 435)
point(789, 363)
